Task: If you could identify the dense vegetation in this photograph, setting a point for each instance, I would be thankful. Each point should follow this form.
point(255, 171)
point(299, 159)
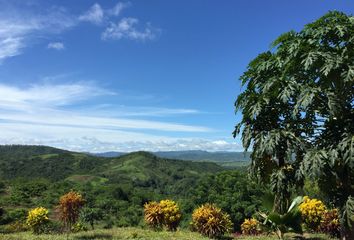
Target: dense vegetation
point(119, 187)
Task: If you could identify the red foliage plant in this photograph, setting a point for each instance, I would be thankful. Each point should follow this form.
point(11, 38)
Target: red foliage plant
point(69, 208)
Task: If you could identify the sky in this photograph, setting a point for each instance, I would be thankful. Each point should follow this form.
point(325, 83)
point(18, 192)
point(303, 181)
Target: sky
point(157, 75)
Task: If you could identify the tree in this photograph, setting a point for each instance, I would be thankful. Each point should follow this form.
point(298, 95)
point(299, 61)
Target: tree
point(232, 191)
point(297, 112)
point(91, 215)
point(69, 208)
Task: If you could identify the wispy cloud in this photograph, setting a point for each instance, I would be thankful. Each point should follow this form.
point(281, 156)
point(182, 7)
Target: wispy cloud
point(94, 15)
point(126, 28)
point(118, 8)
point(102, 140)
point(49, 95)
point(48, 114)
point(10, 47)
point(17, 29)
point(56, 45)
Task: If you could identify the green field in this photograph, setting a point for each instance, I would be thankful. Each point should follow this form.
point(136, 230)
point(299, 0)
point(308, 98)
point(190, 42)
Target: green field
point(138, 233)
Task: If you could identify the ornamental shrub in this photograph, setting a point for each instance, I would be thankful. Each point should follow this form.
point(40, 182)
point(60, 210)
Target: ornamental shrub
point(330, 223)
point(250, 227)
point(210, 221)
point(69, 208)
point(153, 215)
point(312, 211)
point(37, 218)
point(171, 214)
point(165, 213)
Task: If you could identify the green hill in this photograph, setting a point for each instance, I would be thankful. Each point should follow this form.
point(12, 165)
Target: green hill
point(56, 164)
point(32, 176)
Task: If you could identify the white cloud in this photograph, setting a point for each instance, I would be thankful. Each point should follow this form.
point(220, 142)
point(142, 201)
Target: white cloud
point(97, 140)
point(21, 27)
point(17, 30)
point(94, 15)
point(44, 114)
point(126, 28)
point(118, 8)
point(49, 95)
point(10, 47)
point(56, 45)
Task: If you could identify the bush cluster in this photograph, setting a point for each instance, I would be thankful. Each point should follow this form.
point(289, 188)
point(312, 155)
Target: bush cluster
point(211, 221)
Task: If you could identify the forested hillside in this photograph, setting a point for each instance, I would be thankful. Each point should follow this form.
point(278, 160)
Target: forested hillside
point(119, 187)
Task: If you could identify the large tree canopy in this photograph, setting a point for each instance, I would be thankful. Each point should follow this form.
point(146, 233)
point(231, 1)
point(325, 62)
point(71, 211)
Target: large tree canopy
point(297, 110)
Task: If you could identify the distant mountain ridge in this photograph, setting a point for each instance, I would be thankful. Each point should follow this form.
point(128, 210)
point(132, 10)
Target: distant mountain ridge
point(192, 155)
point(57, 164)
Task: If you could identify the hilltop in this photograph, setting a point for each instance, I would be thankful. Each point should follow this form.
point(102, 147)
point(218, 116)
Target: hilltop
point(225, 159)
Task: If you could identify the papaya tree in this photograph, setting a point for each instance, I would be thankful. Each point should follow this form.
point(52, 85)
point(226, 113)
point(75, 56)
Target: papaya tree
point(297, 113)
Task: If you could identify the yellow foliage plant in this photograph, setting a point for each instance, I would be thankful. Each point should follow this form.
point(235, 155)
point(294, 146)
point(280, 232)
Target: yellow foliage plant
point(171, 214)
point(164, 213)
point(153, 215)
point(37, 218)
point(250, 227)
point(211, 221)
point(312, 211)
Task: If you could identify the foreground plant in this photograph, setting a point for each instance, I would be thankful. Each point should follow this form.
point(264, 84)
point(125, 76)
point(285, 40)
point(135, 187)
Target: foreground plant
point(153, 215)
point(171, 214)
point(165, 213)
point(312, 211)
point(37, 218)
point(211, 221)
point(69, 208)
point(287, 222)
point(250, 227)
point(330, 223)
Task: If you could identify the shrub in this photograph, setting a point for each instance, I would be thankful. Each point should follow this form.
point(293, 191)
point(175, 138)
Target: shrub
point(37, 218)
point(17, 226)
point(18, 214)
point(153, 215)
point(69, 208)
point(91, 215)
point(250, 227)
point(330, 223)
point(210, 221)
point(312, 211)
point(171, 214)
point(78, 227)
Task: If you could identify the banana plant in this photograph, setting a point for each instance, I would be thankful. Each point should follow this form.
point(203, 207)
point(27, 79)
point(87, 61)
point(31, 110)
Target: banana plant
point(283, 223)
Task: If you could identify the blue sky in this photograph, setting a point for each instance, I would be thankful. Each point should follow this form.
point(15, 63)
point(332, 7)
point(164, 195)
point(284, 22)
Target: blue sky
point(134, 75)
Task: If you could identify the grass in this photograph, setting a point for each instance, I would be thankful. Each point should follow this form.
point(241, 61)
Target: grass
point(141, 234)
